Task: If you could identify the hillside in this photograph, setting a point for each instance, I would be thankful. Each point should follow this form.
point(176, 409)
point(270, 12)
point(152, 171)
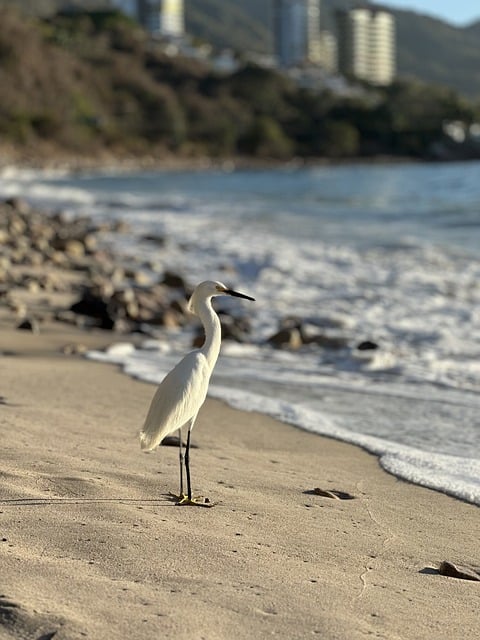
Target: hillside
point(235, 24)
point(434, 51)
point(95, 85)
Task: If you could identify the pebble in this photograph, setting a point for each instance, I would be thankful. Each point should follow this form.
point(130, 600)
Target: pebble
point(293, 334)
point(29, 324)
point(463, 572)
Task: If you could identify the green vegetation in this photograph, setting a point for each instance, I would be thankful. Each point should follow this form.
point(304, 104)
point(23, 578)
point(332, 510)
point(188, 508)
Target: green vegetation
point(89, 82)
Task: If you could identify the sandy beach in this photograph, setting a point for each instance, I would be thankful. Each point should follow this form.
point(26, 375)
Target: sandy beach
point(92, 547)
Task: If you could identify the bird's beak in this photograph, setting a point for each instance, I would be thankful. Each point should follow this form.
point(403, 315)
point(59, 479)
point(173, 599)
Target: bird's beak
point(236, 294)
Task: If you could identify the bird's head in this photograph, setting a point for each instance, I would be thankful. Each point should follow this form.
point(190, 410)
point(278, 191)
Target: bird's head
point(209, 289)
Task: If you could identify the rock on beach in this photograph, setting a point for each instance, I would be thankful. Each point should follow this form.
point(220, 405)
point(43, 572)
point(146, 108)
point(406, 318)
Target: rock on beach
point(45, 255)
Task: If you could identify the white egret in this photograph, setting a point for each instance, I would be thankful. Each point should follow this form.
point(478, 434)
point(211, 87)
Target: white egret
point(182, 392)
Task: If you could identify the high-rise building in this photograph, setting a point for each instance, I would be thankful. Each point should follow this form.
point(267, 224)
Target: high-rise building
point(297, 31)
point(290, 37)
point(366, 44)
point(314, 47)
point(172, 18)
point(164, 17)
point(328, 51)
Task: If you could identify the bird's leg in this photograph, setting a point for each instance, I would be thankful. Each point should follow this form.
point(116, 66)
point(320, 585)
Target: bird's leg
point(187, 466)
point(187, 499)
point(180, 455)
point(181, 496)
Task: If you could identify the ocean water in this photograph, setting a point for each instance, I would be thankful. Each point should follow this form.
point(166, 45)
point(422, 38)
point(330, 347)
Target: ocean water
point(389, 254)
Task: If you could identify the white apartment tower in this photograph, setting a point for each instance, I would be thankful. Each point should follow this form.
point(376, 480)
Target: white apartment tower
point(366, 44)
point(172, 18)
point(328, 51)
point(163, 17)
point(297, 31)
point(314, 47)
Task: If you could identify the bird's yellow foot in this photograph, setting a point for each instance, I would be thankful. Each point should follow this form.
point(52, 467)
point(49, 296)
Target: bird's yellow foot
point(198, 501)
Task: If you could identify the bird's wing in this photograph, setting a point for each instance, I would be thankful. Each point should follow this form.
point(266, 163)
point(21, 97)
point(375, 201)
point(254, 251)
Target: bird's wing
point(177, 400)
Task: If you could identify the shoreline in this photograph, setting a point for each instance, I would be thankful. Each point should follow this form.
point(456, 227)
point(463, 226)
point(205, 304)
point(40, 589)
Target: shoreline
point(84, 512)
point(110, 161)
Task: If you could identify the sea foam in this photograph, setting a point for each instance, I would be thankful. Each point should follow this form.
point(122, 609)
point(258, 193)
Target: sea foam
point(455, 475)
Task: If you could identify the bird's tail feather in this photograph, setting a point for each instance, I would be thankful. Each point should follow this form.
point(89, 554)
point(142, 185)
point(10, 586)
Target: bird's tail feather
point(147, 441)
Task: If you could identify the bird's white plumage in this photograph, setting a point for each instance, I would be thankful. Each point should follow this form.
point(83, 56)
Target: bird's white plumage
point(177, 400)
point(182, 392)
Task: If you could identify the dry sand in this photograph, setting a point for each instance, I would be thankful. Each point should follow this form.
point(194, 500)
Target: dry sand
point(91, 547)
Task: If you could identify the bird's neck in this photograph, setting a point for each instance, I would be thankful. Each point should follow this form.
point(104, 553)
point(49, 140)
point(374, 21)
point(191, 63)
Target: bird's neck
point(213, 332)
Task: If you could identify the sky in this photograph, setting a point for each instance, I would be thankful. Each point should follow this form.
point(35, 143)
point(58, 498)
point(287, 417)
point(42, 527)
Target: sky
point(457, 12)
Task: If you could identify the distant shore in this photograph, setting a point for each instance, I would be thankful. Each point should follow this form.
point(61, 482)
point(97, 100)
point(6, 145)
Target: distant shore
point(106, 160)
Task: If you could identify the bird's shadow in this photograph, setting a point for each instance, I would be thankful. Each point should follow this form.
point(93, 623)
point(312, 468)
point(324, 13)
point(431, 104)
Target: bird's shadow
point(166, 499)
point(32, 502)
